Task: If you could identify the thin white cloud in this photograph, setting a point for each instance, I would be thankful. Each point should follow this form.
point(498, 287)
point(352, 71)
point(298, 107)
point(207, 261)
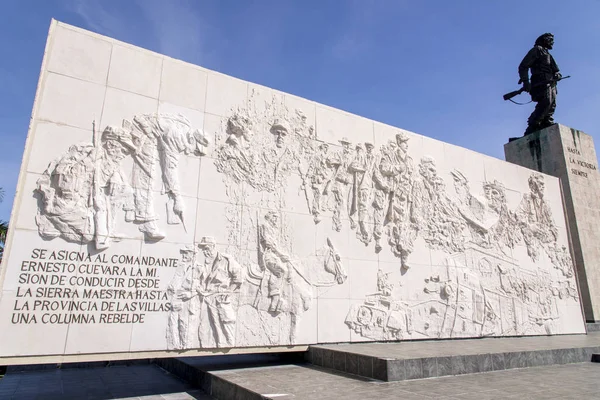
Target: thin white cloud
point(178, 28)
point(174, 27)
point(98, 18)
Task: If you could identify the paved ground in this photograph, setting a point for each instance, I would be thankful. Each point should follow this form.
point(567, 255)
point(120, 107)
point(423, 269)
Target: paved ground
point(438, 348)
point(571, 381)
point(139, 381)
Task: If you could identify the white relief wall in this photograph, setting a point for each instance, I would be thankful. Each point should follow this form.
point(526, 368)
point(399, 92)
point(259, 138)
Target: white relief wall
point(172, 208)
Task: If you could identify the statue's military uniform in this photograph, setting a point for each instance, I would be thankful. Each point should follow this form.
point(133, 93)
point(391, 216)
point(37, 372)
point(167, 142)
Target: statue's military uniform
point(543, 69)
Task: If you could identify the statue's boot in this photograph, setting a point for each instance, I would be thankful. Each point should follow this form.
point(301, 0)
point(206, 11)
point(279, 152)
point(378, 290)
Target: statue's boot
point(531, 129)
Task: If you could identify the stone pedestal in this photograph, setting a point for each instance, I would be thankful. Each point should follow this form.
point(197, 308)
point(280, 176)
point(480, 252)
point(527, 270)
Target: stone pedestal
point(570, 155)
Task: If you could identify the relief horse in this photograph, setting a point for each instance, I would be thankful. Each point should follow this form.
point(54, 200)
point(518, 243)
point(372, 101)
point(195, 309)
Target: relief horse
point(259, 326)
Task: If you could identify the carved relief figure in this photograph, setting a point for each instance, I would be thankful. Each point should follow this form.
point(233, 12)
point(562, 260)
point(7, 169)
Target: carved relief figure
point(281, 287)
point(274, 259)
point(365, 195)
point(64, 191)
point(218, 288)
point(440, 222)
point(535, 218)
point(338, 184)
point(282, 159)
point(110, 188)
point(318, 172)
point(81, 193)
point(235, 159)
point(357, 169)
point(472, 209)
point(184, 301)
point(161, 138)
point(380, 201)
point(505, 232)
point(397, 168)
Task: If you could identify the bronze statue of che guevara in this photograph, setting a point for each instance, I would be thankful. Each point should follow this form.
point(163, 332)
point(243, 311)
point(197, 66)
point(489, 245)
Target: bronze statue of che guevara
point(542, 86)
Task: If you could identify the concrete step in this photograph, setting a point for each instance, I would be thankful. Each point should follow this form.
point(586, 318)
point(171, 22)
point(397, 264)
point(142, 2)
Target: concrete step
point(307, 382)
point(358, 365)
point(207, 373)
point(425, 359)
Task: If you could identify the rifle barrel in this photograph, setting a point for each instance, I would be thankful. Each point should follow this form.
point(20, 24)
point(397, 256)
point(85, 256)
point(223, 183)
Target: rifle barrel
point(512, 94)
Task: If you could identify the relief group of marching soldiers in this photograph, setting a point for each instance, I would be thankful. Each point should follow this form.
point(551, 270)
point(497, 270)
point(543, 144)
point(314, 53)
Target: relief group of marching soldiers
point(375, 189)
point(384, 193)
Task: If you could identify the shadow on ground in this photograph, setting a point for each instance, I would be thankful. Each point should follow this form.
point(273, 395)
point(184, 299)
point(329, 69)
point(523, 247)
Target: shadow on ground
point(97, 383)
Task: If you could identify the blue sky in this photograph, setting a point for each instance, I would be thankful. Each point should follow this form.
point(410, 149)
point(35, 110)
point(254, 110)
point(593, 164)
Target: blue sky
point(438, 68)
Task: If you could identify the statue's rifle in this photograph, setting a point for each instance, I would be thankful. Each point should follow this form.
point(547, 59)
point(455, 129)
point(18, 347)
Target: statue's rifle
point(509, 96)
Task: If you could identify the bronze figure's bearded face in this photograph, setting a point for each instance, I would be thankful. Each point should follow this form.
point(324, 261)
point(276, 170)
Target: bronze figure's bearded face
point(546, 41)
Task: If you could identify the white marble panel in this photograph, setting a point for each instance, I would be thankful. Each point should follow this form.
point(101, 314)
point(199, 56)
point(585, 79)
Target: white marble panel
point(297, 198)
point(219, 220)
point(135, 71)
point(51, 139)
point(212, 185)
point(25, 257)
point(332, 313)
point(302, 234)
point(469, 163)
point(104, 337)
point(362, 278)
point(308, 326)
point(224, 94)
point(510, 175)
point(215, 129)
point(151, 335)
point(120, 105)
point(332, 125)
point(79, 55)
point(306, 107)
point(70, 101)
point(383, 134)
point(25, 338)
point(265, 101)
point(183, 84)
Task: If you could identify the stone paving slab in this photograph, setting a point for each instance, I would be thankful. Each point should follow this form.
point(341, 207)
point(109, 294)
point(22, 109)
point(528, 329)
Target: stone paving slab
point(572, 381)
point(145, 382)
point(425, 359)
